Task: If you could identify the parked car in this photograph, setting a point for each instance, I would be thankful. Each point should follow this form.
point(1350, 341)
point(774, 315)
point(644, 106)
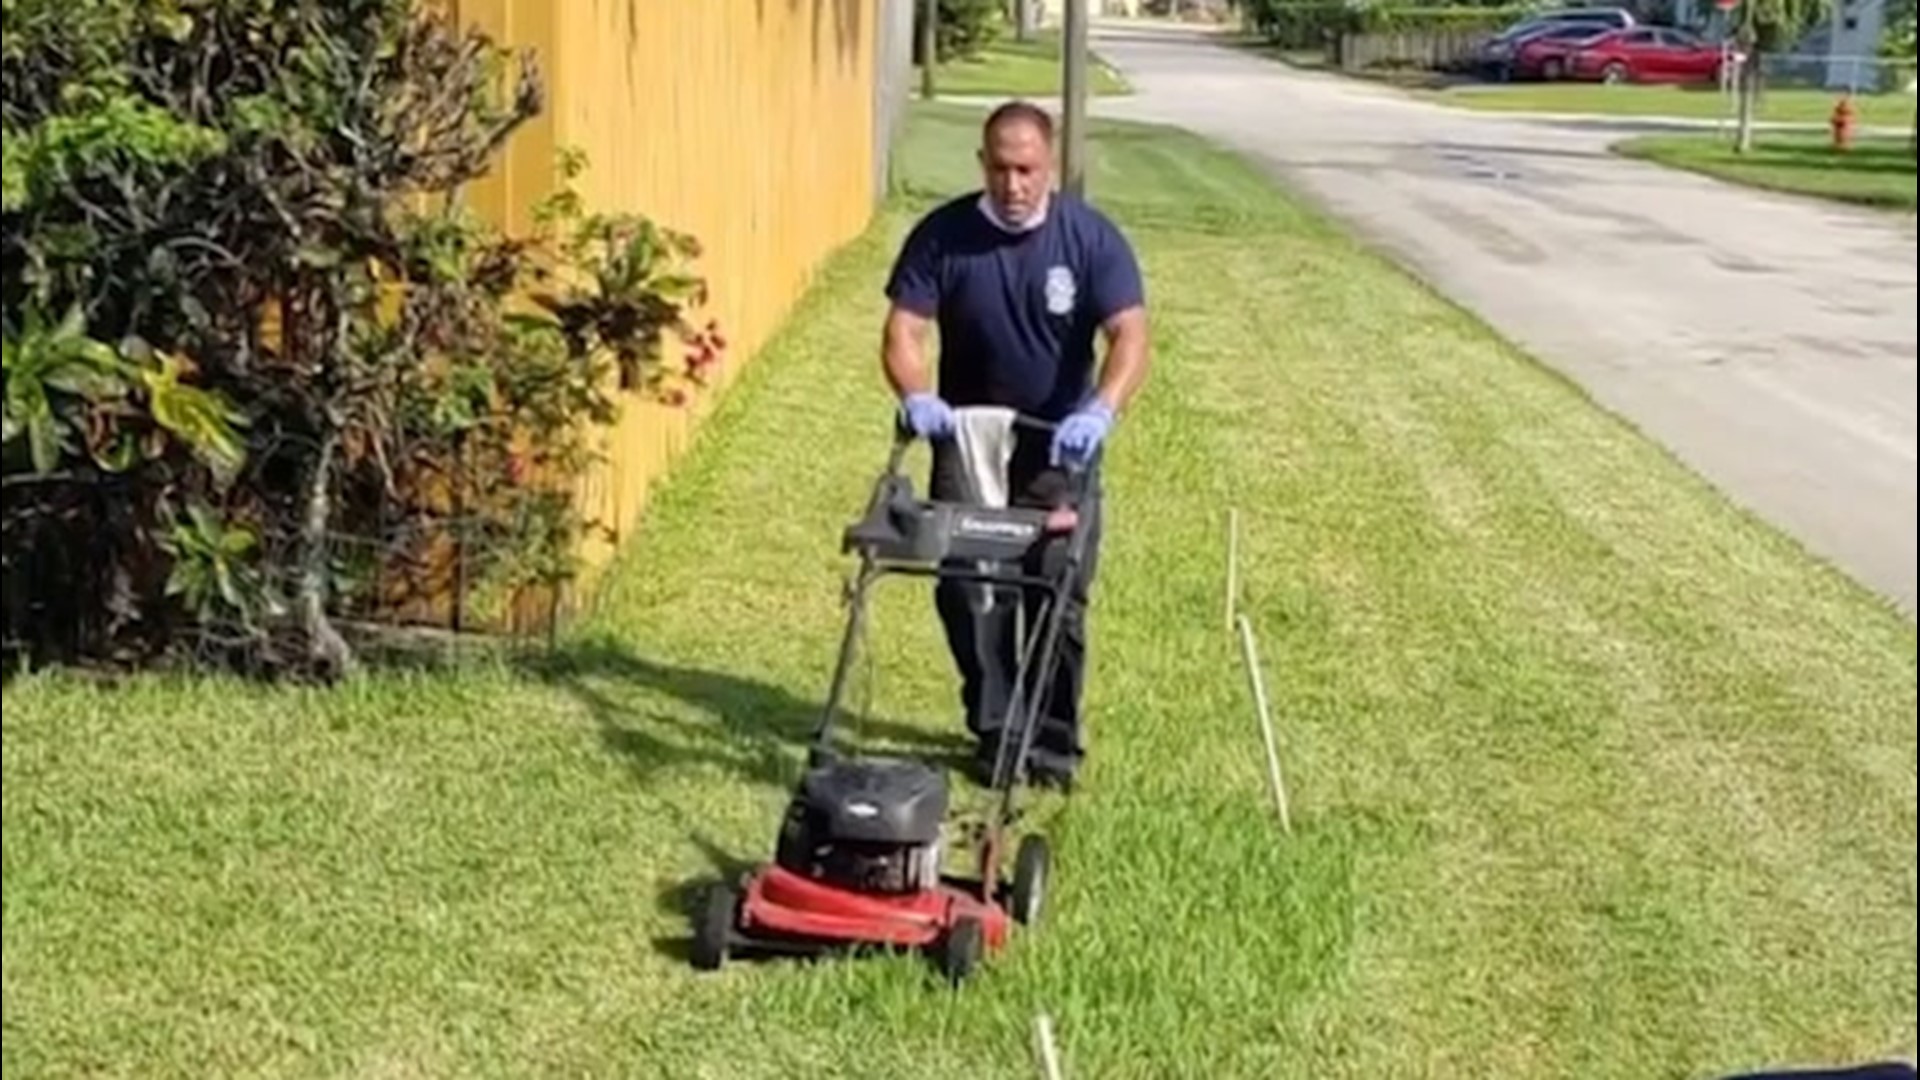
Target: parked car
point(1615, 18)
point(1544, 55)
point(1495, 57)
point(1649, 54)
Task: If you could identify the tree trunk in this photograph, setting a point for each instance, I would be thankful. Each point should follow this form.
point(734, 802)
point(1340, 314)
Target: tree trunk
point(929, 47)
point(326, 649)
point(1749, 98)
point(1022, 19)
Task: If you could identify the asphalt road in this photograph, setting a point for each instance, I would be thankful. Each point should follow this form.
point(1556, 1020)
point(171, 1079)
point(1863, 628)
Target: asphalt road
point(1767, 341)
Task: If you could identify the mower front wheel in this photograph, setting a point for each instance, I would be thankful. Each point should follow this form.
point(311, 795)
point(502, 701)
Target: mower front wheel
point(713, 930)
point(1030, 867)
point(960, 953)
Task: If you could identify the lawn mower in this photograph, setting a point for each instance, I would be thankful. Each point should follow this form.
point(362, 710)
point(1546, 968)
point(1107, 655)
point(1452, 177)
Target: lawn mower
point(858, 861)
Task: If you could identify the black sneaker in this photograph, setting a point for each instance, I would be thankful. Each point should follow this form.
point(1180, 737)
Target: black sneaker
point(986, 757)
point(1047, 769)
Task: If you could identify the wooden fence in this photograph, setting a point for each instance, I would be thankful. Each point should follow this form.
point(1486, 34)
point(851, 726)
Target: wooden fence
point(754, 125)
point(1433, 50)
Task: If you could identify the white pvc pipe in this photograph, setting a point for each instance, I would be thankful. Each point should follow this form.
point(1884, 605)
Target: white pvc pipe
point(1049, 1056)
point(1266, 721)
point(1233, 565)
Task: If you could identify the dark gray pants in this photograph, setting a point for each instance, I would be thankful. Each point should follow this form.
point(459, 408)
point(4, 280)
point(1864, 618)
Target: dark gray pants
point(984, 643)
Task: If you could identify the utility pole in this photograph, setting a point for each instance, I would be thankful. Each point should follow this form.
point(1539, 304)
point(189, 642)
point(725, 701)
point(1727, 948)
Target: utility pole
point(1073, 89)
point(929, 21)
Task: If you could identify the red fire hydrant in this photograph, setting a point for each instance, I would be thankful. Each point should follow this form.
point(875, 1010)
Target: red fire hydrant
point(1842, 122)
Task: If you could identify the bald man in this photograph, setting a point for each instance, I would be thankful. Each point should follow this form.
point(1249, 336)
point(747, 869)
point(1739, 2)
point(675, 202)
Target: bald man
point(1022, 279)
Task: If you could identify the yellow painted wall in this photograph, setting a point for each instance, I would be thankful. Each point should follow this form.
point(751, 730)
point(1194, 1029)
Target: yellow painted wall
point(747, 123)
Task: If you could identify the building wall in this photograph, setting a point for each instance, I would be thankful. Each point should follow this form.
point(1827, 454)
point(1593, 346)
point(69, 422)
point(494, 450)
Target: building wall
point(758, 126)
point(1854, 52)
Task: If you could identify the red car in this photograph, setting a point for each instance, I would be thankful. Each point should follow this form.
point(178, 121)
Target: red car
point(1544, 56)
point(1647, 54)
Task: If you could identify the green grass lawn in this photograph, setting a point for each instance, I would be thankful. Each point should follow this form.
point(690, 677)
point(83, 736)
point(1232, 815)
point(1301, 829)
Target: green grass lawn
point(1591, 774)
point(1876, 172)
point(1009, 68)
point(1784, 105)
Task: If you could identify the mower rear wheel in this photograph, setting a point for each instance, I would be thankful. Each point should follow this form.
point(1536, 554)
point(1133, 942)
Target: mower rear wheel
point(713, 932)
point(960, 953)
point(1030, 867)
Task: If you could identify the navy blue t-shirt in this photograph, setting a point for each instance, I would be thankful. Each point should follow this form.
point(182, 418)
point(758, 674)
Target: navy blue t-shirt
point(1018, 312)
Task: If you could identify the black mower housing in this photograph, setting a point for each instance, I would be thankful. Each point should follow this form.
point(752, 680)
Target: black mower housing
point(900, 528)
point(878, 800)
point(868, 823)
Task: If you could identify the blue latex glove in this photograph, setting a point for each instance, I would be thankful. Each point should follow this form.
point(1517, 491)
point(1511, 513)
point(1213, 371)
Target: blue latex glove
point(927, 415)
point(1079, 435)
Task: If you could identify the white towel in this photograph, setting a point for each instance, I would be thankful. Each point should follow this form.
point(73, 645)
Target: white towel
point(984, 436)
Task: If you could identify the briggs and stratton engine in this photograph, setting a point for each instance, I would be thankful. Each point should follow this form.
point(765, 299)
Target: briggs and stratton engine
point(872, 824)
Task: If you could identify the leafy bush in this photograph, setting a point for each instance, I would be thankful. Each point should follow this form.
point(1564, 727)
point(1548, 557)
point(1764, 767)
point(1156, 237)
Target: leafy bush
point(964, 27)
point(262, 366)
point(1896, 39)
point(1310, 24)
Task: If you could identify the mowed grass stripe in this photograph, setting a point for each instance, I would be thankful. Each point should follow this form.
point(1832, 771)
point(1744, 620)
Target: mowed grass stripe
point(1592, 775)
point(1469, 431)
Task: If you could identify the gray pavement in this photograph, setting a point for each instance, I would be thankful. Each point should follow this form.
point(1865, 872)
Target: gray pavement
point(1768, 341)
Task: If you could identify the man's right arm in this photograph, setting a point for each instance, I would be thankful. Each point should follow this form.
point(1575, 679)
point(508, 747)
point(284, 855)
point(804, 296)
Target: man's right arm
point(903, 352)
point(914, 290)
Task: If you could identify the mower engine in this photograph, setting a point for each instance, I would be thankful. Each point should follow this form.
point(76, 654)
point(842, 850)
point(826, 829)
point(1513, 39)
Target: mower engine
point(869, 824)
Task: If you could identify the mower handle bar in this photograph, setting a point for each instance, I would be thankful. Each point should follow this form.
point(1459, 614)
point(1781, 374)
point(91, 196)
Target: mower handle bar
point(903, 435)
point(903, 432)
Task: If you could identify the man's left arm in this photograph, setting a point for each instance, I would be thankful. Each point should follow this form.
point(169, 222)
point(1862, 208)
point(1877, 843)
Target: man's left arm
point(1120, 301)
point(1126, 364)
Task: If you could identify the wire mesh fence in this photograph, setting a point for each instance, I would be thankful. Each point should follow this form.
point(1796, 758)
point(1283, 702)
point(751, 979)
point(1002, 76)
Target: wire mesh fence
point(433, 544)
point(1855, 74)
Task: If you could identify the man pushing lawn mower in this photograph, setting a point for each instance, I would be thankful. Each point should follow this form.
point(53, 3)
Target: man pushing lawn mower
point(1020, 278)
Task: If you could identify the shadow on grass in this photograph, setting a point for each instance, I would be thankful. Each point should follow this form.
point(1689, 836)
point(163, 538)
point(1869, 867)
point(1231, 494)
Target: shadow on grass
point(658, 718)
point(1874, 175)
point(684, 899)
point(1858, 161)
point(757, 730)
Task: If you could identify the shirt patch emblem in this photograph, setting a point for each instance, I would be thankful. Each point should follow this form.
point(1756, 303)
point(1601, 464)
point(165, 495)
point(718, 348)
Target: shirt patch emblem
point(1061, 290)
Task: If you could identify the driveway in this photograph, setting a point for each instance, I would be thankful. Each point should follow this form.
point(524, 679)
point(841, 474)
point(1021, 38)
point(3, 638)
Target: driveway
point(1767, 341)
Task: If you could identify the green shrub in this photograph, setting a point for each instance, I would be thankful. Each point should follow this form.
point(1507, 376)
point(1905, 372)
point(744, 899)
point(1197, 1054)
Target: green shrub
point(259, 366)
point(1308, 24)
point(1896, 39)
point(964, 28)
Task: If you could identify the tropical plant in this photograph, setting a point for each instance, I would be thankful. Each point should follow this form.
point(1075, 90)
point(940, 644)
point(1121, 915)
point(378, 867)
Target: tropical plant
point(263, 364)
